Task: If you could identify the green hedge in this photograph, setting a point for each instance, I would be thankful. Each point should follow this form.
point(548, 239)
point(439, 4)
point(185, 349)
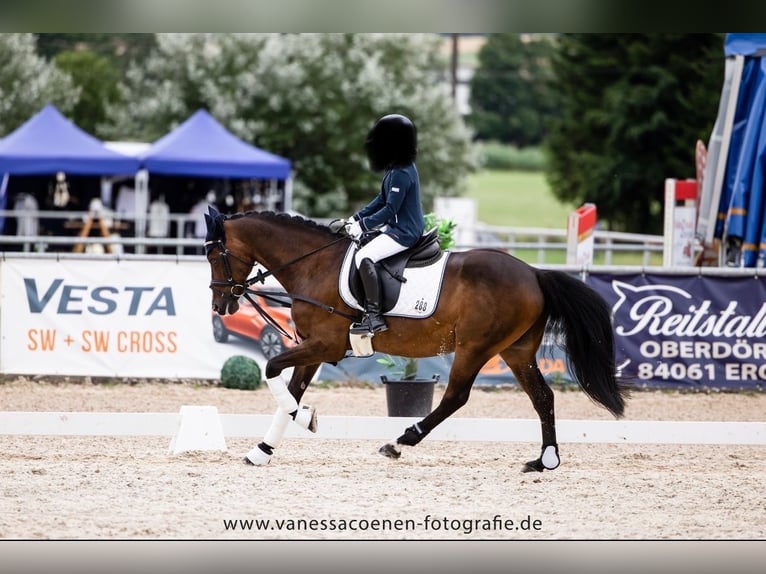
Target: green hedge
point(499, 156)
point(240, 372)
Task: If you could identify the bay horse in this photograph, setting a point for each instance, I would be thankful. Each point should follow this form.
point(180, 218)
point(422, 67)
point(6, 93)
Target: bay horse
point(491, 303)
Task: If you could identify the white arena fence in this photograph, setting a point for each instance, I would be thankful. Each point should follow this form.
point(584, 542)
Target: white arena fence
point(205, 425)
point(542, 242)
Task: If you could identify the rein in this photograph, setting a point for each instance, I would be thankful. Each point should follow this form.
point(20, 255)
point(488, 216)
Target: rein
point(240, 289)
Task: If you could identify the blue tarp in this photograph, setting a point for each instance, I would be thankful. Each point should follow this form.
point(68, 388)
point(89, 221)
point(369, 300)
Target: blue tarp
point(202, 147)
point(742, 197)
point(48, 142)
point(744, 44)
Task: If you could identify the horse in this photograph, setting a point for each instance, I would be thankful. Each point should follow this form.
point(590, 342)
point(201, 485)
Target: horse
point(491, 303)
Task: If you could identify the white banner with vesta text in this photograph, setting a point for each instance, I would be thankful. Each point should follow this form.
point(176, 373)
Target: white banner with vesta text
point(120, 318)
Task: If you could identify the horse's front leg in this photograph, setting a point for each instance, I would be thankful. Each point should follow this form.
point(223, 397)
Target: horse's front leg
point(303, 415)
point(304, 360)
point(308, 355)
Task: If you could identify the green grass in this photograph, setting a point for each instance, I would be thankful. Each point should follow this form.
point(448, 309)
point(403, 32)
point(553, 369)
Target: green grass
point(524, 199)
point(517, 199)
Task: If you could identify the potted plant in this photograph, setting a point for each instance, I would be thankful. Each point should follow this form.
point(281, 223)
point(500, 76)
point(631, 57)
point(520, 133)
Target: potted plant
point(406, 394)
point(445, 228)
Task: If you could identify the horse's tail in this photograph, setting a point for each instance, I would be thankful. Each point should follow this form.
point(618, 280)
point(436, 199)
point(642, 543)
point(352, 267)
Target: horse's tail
point(580, 321)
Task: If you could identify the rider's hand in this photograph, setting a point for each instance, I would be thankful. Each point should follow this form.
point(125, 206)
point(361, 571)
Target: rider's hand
point(338, 225)
point(354, 230)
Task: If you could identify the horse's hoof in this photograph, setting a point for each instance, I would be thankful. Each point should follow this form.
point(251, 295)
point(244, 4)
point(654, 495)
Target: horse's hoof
point(549, 460)
point(306, 418)
point(390, 451)
point(257, 457)
point(533, 466)
point(313, 425)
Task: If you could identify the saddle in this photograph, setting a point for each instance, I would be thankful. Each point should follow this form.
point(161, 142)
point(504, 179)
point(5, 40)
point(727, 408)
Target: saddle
point(391, 269)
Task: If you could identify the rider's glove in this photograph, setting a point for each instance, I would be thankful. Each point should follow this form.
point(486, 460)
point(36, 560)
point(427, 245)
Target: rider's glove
point(338, 225)
point(354, 230)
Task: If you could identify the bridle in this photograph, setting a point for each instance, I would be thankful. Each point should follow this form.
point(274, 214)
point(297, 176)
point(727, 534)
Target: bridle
point(237, 290)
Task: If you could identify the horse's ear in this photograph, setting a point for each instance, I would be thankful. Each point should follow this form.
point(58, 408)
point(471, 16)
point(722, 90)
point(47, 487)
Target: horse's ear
point(212, 211)
point(214, 225)
point(219, 232)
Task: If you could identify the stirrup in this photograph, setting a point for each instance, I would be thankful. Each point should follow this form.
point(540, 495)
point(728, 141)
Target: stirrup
point(366, 325)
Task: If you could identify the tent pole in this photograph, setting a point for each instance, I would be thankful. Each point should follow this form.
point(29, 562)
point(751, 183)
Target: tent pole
point(722, 156)
point(142, 206)
point(288, 193)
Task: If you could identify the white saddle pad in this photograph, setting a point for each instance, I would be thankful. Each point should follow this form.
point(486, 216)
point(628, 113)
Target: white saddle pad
point(419, 294)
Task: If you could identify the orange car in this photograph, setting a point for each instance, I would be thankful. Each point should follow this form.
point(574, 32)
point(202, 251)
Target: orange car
point(248, 323)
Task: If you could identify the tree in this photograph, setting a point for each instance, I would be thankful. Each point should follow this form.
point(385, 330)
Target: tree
point(96, 63)
point(97, 79)
point(309, 97)
point(28, 82)
point(510, 98)
point(632, 107)
point(119, 49)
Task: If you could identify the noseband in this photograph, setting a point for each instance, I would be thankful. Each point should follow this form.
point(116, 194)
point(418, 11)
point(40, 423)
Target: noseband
point(236, 290)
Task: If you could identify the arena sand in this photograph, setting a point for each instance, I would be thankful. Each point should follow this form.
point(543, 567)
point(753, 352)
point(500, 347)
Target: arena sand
point(102, 488)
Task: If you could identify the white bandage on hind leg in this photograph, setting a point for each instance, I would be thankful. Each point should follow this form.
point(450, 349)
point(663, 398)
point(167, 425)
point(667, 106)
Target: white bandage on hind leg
point(550, 457)
point(283, 397)
point(277, 428)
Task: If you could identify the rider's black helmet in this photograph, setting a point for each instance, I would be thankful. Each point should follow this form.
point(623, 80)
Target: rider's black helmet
point(392, 141)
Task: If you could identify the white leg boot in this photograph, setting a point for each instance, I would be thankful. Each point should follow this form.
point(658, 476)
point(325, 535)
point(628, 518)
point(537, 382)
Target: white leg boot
point(261, 454)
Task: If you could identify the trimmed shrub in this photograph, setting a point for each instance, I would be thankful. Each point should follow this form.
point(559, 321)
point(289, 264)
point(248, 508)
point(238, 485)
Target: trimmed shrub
point(240, 372)
point(494, 155)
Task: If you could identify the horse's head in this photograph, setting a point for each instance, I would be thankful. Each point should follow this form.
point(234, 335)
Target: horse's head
point(229, 271)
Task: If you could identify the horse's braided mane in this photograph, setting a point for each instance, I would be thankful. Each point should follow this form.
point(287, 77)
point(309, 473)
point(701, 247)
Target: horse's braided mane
point(286, 217)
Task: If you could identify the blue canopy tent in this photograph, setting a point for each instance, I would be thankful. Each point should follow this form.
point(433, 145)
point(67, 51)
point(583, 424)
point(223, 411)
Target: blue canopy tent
point(202, 147)
point(48, 143)
point(732, 199)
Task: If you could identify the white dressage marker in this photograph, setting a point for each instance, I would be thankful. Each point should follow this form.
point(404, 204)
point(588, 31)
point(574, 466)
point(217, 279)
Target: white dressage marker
point(199, 429)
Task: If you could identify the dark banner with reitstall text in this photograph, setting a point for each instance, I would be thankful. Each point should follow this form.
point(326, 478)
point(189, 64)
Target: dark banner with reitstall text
point(695, 332)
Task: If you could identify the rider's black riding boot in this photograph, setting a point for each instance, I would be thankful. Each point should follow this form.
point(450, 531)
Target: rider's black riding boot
point(372, 322)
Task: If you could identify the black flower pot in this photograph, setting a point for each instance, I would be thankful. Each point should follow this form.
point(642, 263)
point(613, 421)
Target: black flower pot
point(413, 398)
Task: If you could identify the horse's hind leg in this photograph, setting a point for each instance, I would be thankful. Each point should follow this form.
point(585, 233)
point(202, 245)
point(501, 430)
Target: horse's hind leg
point(288, 408)
point(464, 369)
point(526, 371)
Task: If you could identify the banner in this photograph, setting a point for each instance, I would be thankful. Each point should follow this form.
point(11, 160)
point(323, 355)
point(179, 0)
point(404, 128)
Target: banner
point(550, 359)
point(110, 318)
point(152, 319)
point(688, 331)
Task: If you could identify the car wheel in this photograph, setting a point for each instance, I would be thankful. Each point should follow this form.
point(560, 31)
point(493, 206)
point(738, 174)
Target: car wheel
point(220, 333)
point(271, 342)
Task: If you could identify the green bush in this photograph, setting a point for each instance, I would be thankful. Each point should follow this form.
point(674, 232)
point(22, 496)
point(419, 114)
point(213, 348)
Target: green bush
point(240, 372)
point(499, 156)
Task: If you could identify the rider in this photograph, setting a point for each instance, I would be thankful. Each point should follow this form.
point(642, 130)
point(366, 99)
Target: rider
point(396, 211)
